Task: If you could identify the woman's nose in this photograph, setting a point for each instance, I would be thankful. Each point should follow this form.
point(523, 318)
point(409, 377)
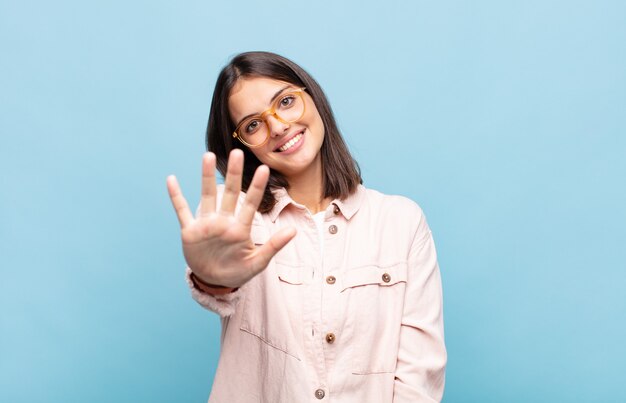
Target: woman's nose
point(276, 127)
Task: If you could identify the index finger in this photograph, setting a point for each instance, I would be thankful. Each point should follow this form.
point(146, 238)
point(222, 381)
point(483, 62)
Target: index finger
point(254, 195)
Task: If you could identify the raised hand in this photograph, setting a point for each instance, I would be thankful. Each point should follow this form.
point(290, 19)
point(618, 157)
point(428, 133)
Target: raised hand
point(217, 244)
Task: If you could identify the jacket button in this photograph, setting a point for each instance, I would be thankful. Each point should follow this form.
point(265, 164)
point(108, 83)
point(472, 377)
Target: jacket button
point(335, 209)
point(386, 278)
point(330, 338)
point(320, 394)
point(331, 279)
point(332, 229)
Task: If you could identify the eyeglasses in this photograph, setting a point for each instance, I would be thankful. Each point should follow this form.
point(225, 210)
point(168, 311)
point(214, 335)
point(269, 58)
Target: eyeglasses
point(288, 108)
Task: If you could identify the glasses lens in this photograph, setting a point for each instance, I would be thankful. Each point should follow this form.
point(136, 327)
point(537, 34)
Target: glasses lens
point(253, 131)
point(289, 107)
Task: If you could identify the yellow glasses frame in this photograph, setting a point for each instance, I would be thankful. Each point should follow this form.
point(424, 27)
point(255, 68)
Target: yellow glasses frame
point(271, 111)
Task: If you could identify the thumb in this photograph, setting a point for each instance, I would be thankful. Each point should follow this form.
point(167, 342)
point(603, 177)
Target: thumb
point(266, 252)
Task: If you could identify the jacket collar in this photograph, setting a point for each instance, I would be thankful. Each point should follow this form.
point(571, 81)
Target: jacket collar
point(348, 207)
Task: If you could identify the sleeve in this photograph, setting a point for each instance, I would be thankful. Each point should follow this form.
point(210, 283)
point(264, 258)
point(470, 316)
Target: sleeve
point(422, 357)
point(223, 305)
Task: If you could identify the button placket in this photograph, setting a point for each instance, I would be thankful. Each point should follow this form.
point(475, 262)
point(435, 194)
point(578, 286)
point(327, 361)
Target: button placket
point(331, 297)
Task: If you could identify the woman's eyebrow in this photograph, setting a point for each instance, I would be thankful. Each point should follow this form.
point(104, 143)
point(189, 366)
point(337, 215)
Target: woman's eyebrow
point(278, 93)
point(271, 100)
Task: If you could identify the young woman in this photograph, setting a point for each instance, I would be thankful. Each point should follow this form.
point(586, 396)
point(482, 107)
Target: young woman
point(327, 291)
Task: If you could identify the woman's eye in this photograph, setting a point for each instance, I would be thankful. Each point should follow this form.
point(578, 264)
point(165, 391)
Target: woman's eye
point(252, 126)
point(287, 101)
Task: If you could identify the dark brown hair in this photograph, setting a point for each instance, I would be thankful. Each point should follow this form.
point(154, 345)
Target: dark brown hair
point(341, 173)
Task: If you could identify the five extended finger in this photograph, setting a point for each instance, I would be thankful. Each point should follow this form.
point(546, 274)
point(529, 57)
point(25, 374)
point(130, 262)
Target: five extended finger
point(209, 191)
point(254, 195)
point(178, 201)
point(232, 182)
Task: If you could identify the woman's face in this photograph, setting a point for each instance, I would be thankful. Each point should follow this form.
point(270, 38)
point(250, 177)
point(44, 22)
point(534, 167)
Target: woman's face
point(292, 148)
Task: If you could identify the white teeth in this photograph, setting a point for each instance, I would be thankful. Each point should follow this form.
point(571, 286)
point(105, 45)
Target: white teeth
point(290, 143)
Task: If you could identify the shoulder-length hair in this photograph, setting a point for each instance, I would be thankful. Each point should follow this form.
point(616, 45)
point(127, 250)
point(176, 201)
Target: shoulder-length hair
point(341, 173)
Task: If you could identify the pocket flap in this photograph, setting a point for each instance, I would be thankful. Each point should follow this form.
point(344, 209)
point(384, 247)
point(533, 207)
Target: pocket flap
point(259, 234)
point(290, 274)
point(381, 275)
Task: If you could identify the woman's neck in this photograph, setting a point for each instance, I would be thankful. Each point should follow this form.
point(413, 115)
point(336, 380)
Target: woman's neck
point(307, 189)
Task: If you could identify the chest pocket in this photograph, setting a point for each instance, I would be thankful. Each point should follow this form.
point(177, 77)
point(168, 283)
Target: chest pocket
point(374, 275)
point(265, 314)
point(375, 298)
point(292, 275)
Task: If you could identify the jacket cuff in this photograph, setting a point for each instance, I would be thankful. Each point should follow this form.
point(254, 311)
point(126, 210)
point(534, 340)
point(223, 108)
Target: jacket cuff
point(223, 305)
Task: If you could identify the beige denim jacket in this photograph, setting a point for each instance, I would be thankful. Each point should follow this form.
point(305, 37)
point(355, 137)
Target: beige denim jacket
point(362, 324)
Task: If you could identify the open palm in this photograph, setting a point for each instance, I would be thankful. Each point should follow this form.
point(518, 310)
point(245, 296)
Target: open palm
point(217, 243)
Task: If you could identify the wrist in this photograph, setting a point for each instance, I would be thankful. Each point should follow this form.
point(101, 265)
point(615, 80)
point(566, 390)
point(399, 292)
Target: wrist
point(208, 288)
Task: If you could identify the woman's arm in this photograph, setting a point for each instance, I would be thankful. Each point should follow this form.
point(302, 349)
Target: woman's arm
point(420, 369)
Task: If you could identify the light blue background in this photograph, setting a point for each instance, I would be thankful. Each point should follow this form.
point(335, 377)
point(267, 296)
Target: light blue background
point(504, 120)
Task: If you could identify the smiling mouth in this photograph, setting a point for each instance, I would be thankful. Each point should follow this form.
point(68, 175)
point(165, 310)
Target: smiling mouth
point(290, 143)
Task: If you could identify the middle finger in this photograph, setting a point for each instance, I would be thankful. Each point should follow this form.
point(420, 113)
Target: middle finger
point(232, 182)
point(207, 201)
